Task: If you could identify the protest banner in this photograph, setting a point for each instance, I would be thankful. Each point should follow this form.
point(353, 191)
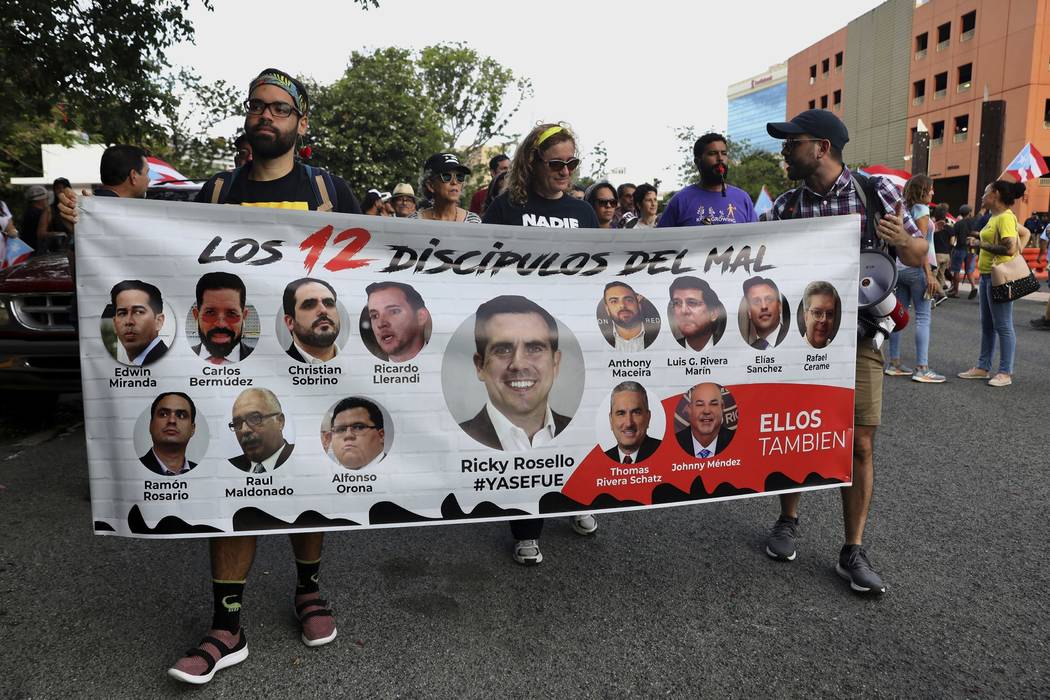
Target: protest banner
point(431, 372)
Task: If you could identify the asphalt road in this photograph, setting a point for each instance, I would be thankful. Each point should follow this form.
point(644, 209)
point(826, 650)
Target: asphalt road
point(678, 601)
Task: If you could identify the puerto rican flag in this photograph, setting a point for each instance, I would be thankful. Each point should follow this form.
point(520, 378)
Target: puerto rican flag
point(1026, 165)
point(764, 202)
point(163, 175)
point(897, 177)
point(13, 251)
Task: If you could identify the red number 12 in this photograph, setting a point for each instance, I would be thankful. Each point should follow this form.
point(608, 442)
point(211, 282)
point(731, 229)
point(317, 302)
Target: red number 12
point(315, 244)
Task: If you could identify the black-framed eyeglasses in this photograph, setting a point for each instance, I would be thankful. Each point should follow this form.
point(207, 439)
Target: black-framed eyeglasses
point(354, 428)
point(254, 420)
point(277, 109)
point(792, 144)
point(447, 177)
point(821, 314)
point(556, 164)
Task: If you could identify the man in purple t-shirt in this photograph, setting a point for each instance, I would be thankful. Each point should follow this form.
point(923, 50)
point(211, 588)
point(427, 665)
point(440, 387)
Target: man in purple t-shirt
point(712, 200)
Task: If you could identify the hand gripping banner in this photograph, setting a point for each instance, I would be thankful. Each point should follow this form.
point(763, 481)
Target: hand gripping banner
point(252, 370)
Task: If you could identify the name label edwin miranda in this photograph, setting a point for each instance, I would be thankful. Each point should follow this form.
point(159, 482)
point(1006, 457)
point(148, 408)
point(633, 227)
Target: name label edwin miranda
point(130, 377)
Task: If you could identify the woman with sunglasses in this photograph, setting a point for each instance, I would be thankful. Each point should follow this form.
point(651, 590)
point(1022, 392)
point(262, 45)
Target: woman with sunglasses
point(540, 177)
point(442, 186)
point(602, 196)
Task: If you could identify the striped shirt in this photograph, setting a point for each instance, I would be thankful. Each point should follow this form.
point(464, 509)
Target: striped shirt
point(842, 198)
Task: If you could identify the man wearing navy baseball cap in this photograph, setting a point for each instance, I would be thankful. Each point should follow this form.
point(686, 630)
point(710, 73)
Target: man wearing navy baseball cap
point(812, 151)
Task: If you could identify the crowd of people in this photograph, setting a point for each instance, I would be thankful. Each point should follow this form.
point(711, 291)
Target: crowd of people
point(536, 187)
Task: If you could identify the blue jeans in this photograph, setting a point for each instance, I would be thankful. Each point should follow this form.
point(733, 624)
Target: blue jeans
point(911, 290)
point(996, 320)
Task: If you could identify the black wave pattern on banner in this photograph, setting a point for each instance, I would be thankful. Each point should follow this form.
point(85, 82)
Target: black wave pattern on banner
point(385, 512)
point(560, 503)
point(251, 518)
point(168, 525)
point(778, 482)
point(101, 526)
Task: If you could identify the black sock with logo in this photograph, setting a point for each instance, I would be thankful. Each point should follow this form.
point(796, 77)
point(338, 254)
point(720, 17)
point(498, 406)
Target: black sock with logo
point(227, 612)
point(307, 576)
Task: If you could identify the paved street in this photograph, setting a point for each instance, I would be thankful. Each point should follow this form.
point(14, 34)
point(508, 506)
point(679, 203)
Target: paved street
point(679, 602)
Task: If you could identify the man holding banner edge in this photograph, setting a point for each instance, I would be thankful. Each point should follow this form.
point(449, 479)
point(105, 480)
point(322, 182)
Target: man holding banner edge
point(813, 143)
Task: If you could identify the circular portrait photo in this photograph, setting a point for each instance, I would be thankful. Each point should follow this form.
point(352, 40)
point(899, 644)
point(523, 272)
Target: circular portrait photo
point(264, 436)
point(310, 324)
point(512, 375)
point(170, 438)
point(626, 422)
point(764, 315)
point(819, 314)
point(356, 433)
point(697, 316)
point(628, 321)
point(705, 420)
point(137, 326)
point(395, 323)
point(222, 327)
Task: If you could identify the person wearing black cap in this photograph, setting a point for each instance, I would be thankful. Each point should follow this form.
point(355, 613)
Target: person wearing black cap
point(712, 200)
point(442, 185)
point(812, 151)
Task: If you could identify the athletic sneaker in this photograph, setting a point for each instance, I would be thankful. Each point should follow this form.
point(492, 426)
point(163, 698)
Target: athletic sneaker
point(585, 524)
point(781, 541)
point(200, 664)
point(939, 299)
point(855, 567)
point(1040, 323)
point(927, 376)
point(896, 369)
point(527, 552)
point(973, 293)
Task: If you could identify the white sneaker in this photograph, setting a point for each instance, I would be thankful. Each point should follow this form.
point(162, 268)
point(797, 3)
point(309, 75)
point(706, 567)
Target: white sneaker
point(527, 552)
point(584, 524)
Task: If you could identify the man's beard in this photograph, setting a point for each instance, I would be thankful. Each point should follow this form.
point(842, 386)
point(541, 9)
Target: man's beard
point(219, 349)
point(269, 147)
point(798, 171)
point(317, 339)
point(709, 174)
point(632, 322)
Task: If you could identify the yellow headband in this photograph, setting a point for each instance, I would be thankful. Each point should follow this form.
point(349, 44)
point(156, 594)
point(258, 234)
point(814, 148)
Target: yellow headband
point(547, 134)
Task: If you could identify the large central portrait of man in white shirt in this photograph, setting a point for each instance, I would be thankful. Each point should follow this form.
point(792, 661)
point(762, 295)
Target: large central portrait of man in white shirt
point(518, 360)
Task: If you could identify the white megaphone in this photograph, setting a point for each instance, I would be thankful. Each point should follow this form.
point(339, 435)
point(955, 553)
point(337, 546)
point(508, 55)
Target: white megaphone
point(881, 313)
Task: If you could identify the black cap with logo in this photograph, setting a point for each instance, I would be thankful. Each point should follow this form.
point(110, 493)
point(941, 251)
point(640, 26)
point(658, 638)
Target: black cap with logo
point(818, 123)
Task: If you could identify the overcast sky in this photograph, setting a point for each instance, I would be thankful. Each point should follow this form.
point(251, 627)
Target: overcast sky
point(626, 74)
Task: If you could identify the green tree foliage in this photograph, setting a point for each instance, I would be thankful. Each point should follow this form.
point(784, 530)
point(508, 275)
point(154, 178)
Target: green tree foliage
point(375, 125)
point(88, 66)
point(469, 92)
point(188, 120)
point(391, 109)
point(749, 167)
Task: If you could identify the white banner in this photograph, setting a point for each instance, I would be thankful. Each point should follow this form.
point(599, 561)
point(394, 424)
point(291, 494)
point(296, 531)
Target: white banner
point(242, 374)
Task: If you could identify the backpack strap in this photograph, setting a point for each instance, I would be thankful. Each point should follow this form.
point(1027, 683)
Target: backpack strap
point(866, 192)
point(323, 187)
point(222, 184)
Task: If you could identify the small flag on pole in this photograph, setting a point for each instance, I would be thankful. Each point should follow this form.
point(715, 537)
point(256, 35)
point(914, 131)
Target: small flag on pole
point(763, 202)
point(1026, 165)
